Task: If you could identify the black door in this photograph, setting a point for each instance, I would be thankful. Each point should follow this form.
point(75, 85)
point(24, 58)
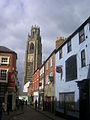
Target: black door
point(84, 100)
point(9, 102)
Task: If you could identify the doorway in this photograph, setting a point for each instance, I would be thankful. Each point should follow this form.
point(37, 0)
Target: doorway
point(9, 102)
point(84, 99)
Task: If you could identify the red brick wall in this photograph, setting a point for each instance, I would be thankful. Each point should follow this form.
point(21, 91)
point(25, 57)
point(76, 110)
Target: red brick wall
point(35, 80)
point(12, 64)
point(30, 90)
point(50, 68)
point(12, 61)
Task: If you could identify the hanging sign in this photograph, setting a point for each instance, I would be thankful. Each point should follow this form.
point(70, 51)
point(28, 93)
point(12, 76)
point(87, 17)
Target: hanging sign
point(58, 69)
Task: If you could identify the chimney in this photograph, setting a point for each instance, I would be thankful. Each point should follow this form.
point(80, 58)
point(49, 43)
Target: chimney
point(59, 42)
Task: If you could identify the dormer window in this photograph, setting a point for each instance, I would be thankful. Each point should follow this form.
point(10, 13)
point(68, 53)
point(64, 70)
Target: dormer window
point(81, 36)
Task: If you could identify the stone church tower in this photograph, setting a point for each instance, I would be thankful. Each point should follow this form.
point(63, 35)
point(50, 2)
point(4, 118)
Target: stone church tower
point(33, 58)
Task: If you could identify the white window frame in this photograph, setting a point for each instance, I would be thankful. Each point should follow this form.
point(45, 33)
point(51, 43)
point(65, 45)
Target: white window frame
point(69, 46)
point(4, 63)
point(5, 81)
point(51, 75)
point(83, 58)
point(42, 86)
point(60, 53)
point(81, 35)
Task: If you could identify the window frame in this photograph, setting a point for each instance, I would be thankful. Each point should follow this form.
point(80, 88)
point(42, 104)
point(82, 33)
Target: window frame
point(81, 35)
point(51, 79)
point(69, 46)
point(71, 68)
point(67, 104)
point(89, 25)
point(62, 102)
point(83, 58)
point(4, 62)
point(70, 105)
point(60, 53)
point(6, 76)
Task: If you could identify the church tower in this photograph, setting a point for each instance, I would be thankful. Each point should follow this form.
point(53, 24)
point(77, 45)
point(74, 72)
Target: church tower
point(33, 58)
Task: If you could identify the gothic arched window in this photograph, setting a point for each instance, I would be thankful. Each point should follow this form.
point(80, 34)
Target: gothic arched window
point(31, 48)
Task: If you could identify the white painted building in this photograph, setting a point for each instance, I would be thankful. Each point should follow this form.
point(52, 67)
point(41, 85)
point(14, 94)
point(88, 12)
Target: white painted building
point(72, 63)
point(25, 91)
point(35, 86)
point(36, 96)
point(41, 81)
point(41, 87)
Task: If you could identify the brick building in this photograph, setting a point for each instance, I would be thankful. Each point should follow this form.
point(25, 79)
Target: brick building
point(41, 87)
point(49, 87)
point(35, 85)
point(30, 94)
point(8, 76)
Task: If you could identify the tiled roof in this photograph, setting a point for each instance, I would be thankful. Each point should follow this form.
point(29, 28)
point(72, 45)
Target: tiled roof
point(5, 49)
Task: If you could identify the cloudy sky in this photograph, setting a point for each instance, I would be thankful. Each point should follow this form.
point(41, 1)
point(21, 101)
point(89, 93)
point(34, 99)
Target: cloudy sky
point(54, 17)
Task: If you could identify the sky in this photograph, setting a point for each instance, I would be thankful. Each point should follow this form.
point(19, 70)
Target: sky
point(54, 17)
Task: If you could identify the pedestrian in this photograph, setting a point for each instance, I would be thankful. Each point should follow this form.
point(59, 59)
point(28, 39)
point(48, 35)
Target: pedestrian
point(8, 107)
point(18, 104)
point(36, 104)
point(26, 102)
point(22, 104)
point(4, 107)
point(1, 109)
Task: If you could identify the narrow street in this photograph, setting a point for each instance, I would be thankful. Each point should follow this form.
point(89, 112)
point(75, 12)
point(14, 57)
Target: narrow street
point(32, 114)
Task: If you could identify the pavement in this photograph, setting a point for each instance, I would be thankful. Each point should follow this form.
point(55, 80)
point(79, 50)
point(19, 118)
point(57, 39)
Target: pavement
point(50, 115)
point(5, 116)
point(19, 112)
